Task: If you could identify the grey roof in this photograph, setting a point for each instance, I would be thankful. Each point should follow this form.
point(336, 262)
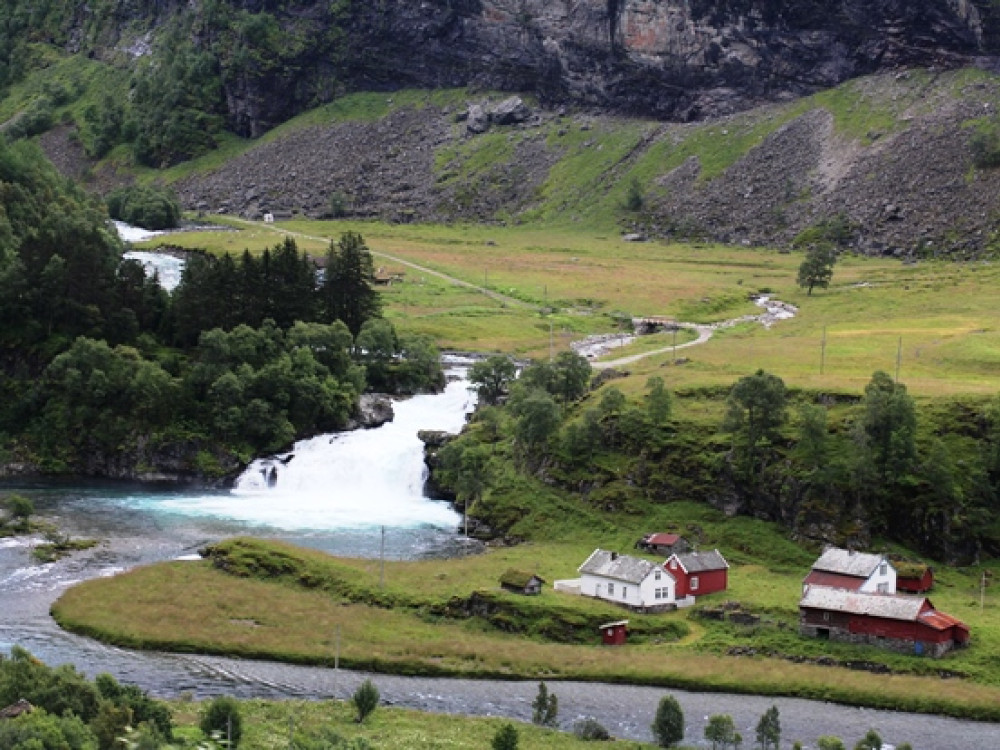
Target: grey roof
point(889, 606)
point(620, 567)
point(848, 562)
point(699, 562)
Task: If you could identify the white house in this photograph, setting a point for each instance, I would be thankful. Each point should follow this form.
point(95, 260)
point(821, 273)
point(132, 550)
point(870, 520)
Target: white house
point(855, 571)
point(628, 581)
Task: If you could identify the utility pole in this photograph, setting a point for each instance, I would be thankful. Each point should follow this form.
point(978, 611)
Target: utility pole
point(336, 652)
point(381, 560)
point(899, 357)
point(822, 352)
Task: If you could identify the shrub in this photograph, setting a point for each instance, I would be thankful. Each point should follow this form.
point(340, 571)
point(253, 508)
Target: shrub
point(365, 699)
point(635, 197)
point(337, 204)
point(221, 717)
point(146, 207)
point(590, 729)
point(20, 509)
point(668, 724)
point(985, 145)
point(505, 738)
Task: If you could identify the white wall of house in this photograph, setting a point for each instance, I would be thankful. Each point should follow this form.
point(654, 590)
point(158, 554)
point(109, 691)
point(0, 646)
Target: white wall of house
point(635, 595)
point(881, 581)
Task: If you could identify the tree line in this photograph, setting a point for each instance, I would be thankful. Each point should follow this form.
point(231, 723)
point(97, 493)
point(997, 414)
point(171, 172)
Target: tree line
point(246, 355)
point(836, 468)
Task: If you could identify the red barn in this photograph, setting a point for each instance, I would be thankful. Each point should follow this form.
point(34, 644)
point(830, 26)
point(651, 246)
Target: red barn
point(698, 573)
point(901, 623)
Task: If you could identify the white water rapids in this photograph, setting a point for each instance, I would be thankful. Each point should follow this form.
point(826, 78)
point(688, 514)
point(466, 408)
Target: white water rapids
point(355, 479)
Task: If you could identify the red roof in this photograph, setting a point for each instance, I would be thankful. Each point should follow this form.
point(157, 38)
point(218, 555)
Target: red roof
point(940, 621)
point(663, 538)
point(833, 580)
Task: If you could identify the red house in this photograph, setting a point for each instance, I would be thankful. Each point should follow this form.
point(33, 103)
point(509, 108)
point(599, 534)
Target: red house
point(901, 623)
point(698, 573)
point(614, 633)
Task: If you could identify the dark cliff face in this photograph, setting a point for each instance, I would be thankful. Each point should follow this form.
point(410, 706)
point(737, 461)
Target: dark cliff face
point(671, 59)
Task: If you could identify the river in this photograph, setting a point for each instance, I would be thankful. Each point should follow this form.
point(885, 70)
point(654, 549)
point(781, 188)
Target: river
point(328, 494)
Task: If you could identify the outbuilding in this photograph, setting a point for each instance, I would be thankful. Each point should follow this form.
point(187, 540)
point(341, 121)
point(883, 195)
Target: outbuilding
point(913, 578)
point(522, 582)
point(614, 633)
point(909, 624)
point(663, 543)
point(698, 573)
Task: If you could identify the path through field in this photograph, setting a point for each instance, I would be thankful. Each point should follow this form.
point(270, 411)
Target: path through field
point(774, 310)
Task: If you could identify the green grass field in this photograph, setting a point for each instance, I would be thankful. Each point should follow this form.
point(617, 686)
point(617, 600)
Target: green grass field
point(267, 725)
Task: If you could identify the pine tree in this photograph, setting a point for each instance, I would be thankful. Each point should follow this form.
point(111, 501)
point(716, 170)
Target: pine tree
point(348, 293)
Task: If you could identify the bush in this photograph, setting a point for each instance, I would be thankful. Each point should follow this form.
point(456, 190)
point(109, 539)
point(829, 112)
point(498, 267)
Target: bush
point(505, 738)
point(146, 207)
point(590, 729)
point(985, 145)
point(635, 197)
point(222, 718)
point(365, 699)
point(668, 725)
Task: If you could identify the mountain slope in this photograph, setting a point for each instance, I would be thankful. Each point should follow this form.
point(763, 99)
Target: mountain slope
point(889, 153)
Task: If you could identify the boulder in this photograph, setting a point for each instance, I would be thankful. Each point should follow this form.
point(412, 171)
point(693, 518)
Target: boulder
point(477, 120)
point(510, 111)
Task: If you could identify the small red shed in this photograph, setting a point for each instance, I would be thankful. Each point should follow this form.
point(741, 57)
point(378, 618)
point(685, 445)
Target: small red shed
point(698, 573)
point(913, 578)
point(614, 633)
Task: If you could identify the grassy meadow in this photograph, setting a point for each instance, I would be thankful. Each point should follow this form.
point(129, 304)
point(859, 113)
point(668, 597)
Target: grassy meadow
point(938, 317)
point(267, 724)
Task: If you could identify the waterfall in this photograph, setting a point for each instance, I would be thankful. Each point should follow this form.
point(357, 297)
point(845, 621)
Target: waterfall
point(353, 479)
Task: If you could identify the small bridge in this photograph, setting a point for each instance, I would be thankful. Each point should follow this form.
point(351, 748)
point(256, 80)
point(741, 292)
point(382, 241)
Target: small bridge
point(644, 326)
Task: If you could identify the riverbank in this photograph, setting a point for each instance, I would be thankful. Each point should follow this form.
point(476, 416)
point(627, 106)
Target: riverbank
point(263, 600)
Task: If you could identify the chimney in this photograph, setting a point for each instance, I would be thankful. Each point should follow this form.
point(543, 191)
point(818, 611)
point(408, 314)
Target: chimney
point(614, 555)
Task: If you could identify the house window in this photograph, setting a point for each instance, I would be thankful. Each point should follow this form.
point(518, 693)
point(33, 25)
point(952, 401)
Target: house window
point(611, 589)
point(624, 592)
point(826, 617)
point(694, 583)
point(883, 569)
point(882, 588)
point(656, 575)
point(657, 593)
point(673, 565)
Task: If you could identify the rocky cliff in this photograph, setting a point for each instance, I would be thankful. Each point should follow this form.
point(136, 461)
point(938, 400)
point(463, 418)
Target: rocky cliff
point(670, 59)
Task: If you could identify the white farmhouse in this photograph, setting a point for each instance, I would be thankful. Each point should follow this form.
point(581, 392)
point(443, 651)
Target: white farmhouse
point(855, 571)
point(629, 581)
